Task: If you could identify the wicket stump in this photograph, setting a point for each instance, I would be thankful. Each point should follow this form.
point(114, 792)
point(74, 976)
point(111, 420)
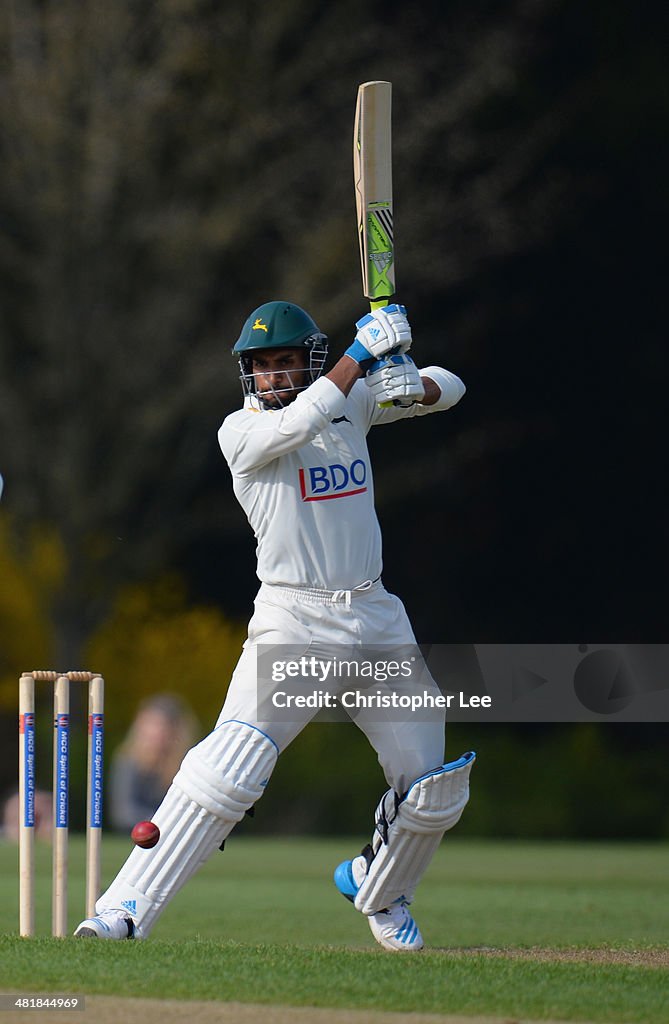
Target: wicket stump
point(61, 773)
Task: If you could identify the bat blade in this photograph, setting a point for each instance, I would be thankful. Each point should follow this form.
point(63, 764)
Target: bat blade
point(373, 177)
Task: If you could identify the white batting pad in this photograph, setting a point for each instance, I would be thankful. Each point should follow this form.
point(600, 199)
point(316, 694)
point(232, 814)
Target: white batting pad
point(228, 771)
point(219, 780)
point(408, 832)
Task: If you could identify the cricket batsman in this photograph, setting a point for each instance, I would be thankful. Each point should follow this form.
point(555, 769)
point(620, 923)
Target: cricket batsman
point(300, 469)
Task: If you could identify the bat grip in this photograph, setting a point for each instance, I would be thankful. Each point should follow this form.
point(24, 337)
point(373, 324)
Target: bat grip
point(379, 304)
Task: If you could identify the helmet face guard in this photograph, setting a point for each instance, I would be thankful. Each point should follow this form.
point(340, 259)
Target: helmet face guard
point(318, 351)
point(280, 325)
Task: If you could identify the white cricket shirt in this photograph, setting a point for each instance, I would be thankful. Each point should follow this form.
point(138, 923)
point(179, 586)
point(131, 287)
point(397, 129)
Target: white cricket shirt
point(303, 477)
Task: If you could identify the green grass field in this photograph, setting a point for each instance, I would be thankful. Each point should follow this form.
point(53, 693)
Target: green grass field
point(262, 923)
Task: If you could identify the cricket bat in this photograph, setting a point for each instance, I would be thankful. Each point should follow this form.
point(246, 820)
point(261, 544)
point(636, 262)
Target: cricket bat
point(373, 178)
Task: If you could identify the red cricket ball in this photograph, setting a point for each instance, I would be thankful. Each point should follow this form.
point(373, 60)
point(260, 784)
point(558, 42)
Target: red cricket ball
point(145, 834)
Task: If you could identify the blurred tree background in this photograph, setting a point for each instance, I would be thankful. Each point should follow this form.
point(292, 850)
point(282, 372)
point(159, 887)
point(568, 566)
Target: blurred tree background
point(165, 167)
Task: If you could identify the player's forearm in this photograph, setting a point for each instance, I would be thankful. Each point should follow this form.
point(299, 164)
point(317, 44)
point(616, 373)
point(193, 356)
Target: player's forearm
point(345, 373)
point(442, 387)
point(432, 391)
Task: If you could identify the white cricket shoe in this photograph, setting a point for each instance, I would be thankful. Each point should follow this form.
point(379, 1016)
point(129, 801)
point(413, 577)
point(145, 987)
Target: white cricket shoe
point(396, 929)
point(393, 928)
point(109, 924)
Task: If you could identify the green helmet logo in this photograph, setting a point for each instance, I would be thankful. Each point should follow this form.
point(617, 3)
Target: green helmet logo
point(278, 325)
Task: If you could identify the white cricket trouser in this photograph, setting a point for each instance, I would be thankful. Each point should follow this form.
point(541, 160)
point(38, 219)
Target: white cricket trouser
point(225, 773)
point(407, 744)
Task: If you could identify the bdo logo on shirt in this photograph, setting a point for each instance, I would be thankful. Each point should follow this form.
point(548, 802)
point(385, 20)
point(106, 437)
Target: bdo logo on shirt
point(322, 483)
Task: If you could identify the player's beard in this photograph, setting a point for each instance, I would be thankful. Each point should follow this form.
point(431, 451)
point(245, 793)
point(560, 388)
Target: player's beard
point(279, 398)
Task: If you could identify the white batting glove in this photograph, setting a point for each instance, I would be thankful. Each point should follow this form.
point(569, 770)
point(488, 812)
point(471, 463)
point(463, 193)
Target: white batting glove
point(383, 331)
point(395, 379)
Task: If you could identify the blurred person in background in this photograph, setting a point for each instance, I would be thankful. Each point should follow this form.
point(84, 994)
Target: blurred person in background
point(9, 821)
point(144, 765)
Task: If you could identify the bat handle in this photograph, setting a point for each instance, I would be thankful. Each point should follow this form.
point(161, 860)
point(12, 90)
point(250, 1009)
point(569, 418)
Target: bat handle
point(378, 304)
